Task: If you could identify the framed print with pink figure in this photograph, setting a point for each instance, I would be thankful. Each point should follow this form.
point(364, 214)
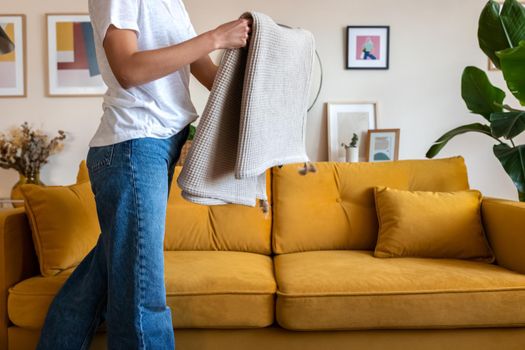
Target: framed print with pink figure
point(13, 64)
point(72, 65)
point(367, 47)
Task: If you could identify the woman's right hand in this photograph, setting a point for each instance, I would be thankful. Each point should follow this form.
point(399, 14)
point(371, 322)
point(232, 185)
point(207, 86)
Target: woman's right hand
point(232, 35)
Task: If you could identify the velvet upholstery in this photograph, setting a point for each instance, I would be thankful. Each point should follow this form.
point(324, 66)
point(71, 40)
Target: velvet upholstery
point(63, 222)
point(200, 285)
point(343, 289)
point(504, 222)
point(83, 173)
point(276, 338)
point(429, 224)
point(304, 277)
point(334, 208)
point(191, 226)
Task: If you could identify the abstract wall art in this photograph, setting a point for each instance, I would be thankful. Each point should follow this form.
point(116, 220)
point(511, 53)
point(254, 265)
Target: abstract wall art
point(72, 63)
point(13, 64)
point(383, 145)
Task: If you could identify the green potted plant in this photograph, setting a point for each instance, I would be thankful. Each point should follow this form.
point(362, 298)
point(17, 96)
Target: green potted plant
point(501, 36)
point(352, 150)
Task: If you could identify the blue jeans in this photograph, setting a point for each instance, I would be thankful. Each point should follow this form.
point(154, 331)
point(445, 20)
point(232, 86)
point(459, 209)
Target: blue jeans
point(121, 280)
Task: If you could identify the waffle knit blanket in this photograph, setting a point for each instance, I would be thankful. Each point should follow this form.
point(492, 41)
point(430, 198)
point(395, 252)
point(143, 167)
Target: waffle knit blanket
point(255, 117)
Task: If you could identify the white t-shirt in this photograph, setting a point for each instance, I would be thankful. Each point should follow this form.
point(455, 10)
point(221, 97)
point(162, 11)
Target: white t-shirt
point(160, 108)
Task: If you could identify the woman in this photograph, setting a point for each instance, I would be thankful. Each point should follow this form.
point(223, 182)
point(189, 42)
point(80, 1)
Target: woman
point(368, 47)
point(146, 50)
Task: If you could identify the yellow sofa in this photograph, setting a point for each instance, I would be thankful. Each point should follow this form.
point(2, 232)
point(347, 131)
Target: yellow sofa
point(304, 276)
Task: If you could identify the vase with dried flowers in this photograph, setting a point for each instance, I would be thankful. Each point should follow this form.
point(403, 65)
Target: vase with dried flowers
point(26, 150)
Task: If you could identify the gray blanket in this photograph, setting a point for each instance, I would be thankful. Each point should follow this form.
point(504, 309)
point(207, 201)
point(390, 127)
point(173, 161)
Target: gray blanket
point(255, 117)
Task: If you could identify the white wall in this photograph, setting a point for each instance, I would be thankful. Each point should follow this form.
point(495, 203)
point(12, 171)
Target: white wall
point(431, 43)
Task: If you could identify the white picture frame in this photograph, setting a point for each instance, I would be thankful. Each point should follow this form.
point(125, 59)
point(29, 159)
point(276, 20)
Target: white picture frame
point(79, 80)
point(13, 71)
point(343, 120)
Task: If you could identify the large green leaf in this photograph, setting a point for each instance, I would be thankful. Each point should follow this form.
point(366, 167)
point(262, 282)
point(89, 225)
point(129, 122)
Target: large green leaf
point(443, 140)
point(479, 94)
point(513, 19)
point(513, 67)
point(491, 34)
point(513, 161)
point(507, 124)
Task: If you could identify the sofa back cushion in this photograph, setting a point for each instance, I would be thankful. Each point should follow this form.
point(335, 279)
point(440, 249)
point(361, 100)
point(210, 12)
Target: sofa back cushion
point(191, 226)
point(334, 208)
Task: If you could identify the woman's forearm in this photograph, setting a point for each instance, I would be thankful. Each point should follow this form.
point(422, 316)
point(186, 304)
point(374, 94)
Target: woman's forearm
point(205, 71)
point(132, 67)
point(142, 67)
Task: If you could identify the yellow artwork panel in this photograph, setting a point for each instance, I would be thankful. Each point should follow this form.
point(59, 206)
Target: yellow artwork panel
point(65, 40)
point(10, 31)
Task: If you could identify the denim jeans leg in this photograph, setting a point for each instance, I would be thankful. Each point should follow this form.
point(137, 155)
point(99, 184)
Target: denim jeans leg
point(122, 278)
point(76, 309)
point(131, 198)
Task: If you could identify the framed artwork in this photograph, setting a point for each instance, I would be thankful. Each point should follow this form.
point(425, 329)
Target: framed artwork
point(345, 119)
point(72, 64)
point(13, 75)
point(383, 145)
point(367, 47)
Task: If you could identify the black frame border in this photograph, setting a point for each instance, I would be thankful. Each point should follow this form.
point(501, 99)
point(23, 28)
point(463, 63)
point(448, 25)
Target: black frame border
point(348, 28)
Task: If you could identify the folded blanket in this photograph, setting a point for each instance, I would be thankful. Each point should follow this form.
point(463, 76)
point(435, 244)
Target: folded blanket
point(255, 117)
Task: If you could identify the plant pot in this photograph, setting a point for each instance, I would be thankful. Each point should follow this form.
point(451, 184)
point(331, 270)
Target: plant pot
point(16, 192)
point(352, 154)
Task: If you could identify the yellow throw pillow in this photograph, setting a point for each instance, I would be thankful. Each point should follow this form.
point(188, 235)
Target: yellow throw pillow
point(64, 224)
point(430, 225)
point(83, 173)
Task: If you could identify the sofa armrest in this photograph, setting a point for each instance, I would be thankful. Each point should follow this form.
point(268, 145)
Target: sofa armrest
point(504, 223)
point(18, 260)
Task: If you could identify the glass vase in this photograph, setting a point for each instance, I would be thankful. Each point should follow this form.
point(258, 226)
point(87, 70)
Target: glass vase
point(16, 193)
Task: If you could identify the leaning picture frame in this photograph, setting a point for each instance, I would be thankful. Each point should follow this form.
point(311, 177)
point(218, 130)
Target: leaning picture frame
point(72, 65)
point(343, 120)
point(383, 145)
point(13, 65)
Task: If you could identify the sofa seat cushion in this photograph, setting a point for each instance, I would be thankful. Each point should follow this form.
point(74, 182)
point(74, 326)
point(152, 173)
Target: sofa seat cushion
point(344, 289)
point(204, 289)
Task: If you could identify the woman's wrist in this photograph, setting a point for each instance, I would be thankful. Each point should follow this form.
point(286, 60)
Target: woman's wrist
point(212, 42)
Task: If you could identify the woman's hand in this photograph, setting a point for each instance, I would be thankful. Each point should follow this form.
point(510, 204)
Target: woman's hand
point(232, 35)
